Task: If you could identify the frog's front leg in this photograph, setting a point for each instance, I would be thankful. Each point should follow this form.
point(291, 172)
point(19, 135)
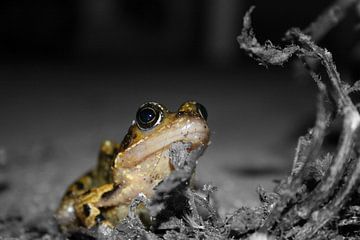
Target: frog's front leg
point(99, 206)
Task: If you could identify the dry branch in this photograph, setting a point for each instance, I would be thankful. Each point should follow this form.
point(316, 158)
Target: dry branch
point(299, 203)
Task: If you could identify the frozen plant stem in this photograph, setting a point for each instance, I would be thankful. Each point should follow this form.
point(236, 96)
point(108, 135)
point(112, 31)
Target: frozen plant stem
point(318, 206)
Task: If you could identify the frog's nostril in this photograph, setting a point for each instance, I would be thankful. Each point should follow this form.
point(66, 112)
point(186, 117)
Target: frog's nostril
point(202, 111)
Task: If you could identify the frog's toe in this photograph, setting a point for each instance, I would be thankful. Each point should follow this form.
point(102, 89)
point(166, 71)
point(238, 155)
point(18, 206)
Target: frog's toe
point(108, 147)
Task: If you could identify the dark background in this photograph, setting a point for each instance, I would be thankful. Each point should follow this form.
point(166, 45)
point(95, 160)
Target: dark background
point(73, 72)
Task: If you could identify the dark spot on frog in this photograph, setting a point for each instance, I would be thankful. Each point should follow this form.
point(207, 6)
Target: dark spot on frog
point(69, 193)
point(99, 218)
point(154, 177)
point(106, 195)
point(86, 210)
point(79, 185)
point(127, 140)
point(179, 114)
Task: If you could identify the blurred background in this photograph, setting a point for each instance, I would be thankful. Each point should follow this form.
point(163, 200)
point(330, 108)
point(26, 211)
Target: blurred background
point(73, 72)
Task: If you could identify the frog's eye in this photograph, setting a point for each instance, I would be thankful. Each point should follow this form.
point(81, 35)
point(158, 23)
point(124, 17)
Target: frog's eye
point(202, 111)
point(149, 115)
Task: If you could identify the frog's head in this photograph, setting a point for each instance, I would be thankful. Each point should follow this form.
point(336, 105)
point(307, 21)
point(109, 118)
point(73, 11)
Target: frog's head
point(156, 128)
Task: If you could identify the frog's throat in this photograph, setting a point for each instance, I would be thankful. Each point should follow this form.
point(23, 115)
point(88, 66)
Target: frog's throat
point(194, 131)
point(129, 182)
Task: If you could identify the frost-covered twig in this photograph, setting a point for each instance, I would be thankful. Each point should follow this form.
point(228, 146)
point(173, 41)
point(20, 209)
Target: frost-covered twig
point(319, 205)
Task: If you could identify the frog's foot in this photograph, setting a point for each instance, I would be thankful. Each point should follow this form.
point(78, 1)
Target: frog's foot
point(86, 208)
point(138, 210)
point(135, 203)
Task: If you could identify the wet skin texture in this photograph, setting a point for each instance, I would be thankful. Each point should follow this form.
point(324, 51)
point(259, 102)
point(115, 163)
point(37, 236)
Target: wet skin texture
point(137, 165)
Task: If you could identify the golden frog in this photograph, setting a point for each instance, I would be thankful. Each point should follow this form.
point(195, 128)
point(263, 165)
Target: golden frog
point(137, 165)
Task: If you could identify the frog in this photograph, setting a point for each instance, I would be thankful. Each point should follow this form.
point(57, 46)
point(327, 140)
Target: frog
point(138, 164)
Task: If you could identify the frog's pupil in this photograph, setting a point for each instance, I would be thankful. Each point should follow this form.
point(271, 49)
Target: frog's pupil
point(147, 115)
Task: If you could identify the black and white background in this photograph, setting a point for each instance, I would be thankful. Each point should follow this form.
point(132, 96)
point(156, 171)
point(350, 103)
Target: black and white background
point(73, 72)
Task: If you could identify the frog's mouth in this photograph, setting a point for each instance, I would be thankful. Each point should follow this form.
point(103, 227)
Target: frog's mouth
point(189, 130)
